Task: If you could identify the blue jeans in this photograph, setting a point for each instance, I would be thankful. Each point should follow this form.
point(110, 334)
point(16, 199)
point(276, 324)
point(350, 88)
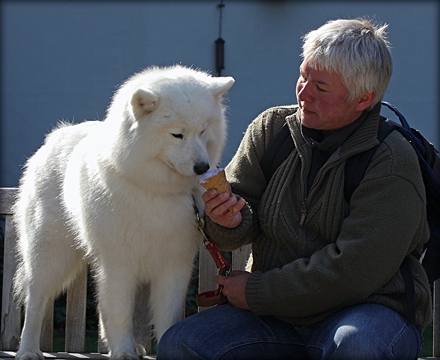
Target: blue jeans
point(366, 331)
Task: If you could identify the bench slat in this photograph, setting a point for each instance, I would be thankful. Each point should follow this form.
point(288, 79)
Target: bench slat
point(66, 355)
point(207, 272)
point(141, 321)
point(7, 196)
point(76, 313)
point(10, 320)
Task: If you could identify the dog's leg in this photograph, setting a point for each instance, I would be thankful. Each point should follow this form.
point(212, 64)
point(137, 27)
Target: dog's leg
point(116, 294)
point(168, 296)
point(47, 272)
point(30, 336)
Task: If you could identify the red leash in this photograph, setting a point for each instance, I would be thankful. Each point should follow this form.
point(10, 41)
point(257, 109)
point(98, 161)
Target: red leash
point(213, 297)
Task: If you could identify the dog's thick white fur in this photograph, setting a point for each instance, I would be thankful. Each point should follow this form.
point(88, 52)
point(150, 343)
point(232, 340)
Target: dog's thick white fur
point(118, 193)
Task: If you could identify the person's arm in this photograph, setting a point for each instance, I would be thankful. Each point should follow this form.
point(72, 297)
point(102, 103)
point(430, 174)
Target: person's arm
point(232, 230)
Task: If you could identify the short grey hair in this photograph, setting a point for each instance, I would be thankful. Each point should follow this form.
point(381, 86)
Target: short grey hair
point(356, 49)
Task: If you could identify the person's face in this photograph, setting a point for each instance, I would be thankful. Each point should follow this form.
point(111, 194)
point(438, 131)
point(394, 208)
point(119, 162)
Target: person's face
point(322, 98)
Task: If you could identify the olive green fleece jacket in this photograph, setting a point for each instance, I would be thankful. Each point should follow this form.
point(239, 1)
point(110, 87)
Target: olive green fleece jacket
point(313, 253)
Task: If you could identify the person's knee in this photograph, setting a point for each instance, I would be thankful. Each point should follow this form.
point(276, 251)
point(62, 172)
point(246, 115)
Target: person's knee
point(347, 343)
point(367, 332)
point(351, 336)
point(358, 342)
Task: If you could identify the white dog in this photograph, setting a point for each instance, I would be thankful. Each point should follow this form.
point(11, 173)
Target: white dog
point(119, 193)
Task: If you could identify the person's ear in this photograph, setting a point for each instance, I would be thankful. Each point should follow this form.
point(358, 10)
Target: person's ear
point(365, 101)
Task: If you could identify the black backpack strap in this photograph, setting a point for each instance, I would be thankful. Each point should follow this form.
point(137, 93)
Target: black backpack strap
point(278, 150)
point(356, 165)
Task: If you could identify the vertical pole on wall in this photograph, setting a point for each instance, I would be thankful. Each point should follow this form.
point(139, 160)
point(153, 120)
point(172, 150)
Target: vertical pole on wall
point(220, 45)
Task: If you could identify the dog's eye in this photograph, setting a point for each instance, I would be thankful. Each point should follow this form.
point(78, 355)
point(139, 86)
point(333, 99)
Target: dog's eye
point(178, 136)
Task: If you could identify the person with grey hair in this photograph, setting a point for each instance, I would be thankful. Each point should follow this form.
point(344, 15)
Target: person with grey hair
point(325, 281)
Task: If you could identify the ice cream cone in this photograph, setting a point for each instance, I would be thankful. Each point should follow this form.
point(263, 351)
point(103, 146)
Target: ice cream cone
point(215, 179)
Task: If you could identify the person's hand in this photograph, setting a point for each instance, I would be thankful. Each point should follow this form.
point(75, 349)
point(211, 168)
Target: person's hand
point(222, 208)
point(234, 288)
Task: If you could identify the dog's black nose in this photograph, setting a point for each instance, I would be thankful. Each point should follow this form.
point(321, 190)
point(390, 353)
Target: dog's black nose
point(201, 167)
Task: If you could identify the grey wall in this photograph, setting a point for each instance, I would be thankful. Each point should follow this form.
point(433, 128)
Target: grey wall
point(64, 59)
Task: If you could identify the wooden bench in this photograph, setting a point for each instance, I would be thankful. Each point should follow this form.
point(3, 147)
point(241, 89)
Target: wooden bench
point(75, 331)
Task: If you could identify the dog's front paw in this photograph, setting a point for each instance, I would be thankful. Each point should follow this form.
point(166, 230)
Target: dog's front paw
point(124, 355)
point(29, 355)
point(140, 351)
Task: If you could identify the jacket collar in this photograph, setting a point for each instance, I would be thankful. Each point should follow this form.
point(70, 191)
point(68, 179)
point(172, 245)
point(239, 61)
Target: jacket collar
point(365, 137)
point(330, 143)
point(362, 138)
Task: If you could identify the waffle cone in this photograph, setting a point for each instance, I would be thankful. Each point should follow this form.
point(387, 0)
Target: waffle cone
point(215, 179)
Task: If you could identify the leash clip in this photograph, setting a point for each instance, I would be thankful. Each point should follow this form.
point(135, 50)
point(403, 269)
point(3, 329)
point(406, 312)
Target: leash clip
point(201, 227)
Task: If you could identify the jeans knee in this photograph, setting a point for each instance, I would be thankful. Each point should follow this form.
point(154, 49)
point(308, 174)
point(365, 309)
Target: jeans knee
point(351, 336)
point(367, 331)
point(360, 343)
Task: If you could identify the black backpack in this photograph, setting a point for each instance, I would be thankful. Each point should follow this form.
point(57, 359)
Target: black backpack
point(282, 145)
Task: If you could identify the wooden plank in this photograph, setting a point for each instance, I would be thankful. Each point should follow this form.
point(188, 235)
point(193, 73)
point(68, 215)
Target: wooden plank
point(240, 257)
point(207, 272)
point(68, 356)
point(7, 197)
point(76, 313)
point(10, 313)
point(46, 339)
point(141, 322)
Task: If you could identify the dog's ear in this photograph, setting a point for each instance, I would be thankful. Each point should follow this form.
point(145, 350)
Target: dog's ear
point(143, 102)
point(220, 85)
